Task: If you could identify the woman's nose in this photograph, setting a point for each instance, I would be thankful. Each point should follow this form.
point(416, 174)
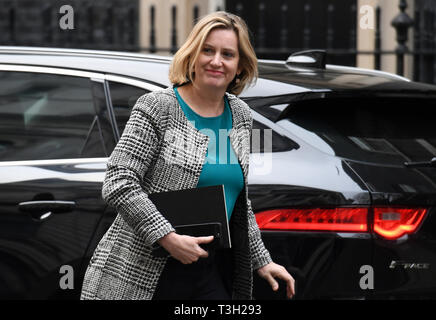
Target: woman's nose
point(216, 60)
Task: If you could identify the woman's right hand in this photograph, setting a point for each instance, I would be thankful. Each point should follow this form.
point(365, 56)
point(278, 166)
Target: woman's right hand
point(186, 249)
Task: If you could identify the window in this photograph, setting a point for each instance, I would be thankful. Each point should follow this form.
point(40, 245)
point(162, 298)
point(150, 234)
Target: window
point(124, 98)
point(265, 139)
point(381, 129)
point(46, 116)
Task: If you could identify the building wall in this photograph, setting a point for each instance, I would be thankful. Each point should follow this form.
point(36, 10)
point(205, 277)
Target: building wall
point(125, 25)
point(366, 36)
point(163, 20)
point(96, 24)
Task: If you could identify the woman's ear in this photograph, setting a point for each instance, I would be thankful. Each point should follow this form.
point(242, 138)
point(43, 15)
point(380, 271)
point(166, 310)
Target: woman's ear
point(238, 76)
point(239, 71)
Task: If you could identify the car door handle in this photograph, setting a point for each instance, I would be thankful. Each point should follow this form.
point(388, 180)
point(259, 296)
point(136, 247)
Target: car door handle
point(42, 209)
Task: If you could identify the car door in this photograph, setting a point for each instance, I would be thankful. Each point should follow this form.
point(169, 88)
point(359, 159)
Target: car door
point(122, 93)
point(55, 136)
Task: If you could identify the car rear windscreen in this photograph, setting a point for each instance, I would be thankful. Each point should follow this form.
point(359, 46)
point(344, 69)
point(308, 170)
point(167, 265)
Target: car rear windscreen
point(387, 130)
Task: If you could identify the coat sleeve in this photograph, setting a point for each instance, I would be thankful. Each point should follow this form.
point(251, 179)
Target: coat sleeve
point(260, 255)
point(126, 168)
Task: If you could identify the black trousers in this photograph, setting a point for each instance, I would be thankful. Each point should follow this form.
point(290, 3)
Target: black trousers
point(207, 279)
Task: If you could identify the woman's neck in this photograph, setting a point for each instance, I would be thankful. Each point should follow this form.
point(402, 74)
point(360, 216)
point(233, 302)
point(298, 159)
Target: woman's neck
point(203, 100)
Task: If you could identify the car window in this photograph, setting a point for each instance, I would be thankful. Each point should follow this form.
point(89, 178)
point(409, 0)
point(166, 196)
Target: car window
point(46, 116)
point(265, 139)
point(390, 130)
point(124, 97)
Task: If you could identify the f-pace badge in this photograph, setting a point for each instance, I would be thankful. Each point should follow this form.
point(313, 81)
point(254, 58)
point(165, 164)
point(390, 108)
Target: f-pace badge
point(408, 265)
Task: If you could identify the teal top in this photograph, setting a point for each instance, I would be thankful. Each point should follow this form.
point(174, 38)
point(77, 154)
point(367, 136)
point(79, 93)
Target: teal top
point(221, 165)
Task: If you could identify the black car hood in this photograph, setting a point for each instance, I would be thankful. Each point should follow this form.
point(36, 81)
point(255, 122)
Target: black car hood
point(397, 185)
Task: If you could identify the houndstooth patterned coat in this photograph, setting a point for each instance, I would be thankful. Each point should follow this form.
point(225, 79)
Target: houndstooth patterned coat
point(160, 150)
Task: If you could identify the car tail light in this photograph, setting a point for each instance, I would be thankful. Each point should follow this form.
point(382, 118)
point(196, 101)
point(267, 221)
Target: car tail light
point(336, 219)
point(390, 223)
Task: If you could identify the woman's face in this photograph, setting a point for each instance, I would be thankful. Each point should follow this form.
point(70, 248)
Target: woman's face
point(217, 63)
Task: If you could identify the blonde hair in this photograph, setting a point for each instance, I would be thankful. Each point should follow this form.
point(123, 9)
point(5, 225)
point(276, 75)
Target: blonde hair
point(182, 65)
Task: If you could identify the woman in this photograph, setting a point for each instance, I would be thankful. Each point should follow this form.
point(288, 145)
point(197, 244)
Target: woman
point(161, 150)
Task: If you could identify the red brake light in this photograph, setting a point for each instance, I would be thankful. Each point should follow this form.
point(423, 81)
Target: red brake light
point(336, 219)
point(392, 223)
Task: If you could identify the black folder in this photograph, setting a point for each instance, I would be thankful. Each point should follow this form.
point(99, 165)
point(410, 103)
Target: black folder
point(195, 212)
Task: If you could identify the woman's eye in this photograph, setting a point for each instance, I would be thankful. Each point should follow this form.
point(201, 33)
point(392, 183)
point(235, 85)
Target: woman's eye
point(228, 54)
point(207, 50)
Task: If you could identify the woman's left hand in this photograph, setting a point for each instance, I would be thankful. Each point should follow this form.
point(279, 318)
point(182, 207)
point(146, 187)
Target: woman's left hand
point(273, 270)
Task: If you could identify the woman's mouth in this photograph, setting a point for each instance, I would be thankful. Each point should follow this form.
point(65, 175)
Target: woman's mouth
point(214, 72)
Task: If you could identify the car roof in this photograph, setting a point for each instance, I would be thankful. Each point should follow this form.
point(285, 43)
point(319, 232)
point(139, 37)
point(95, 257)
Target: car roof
point(135, 65)
point(275, 76)
point(340, 79)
